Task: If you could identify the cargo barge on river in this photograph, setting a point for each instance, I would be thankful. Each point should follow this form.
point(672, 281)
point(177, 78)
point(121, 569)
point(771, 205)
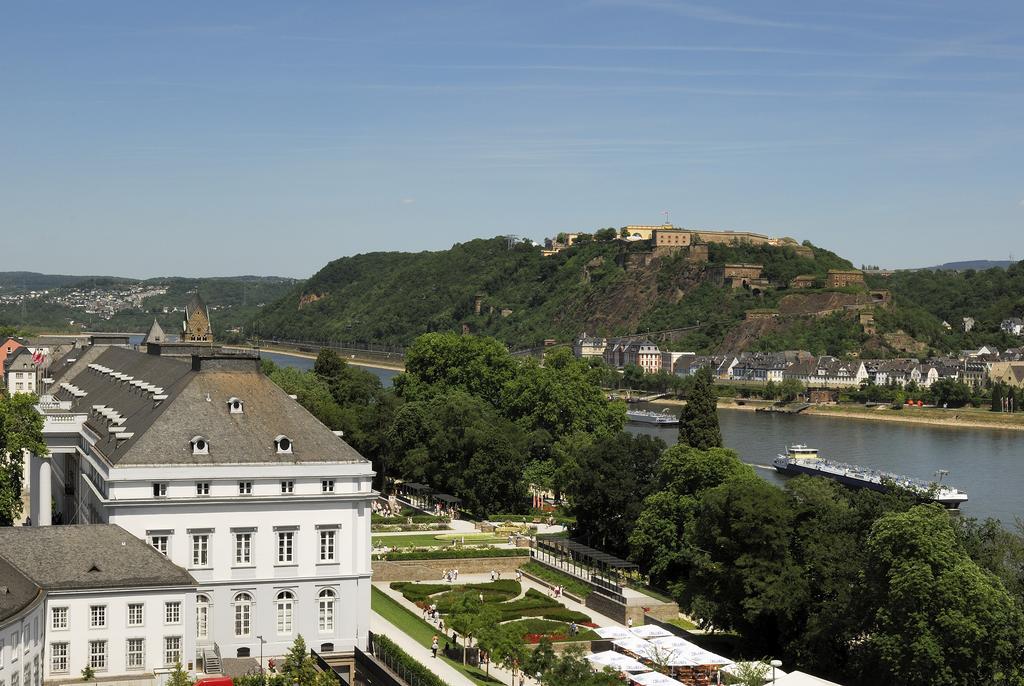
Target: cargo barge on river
point(799, 459)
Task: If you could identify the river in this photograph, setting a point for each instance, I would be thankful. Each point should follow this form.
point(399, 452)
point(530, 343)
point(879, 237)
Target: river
point(987, 464)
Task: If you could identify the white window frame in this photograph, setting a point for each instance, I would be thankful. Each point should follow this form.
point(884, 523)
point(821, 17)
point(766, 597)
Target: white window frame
point(244, 488)
point(286, 547)
point(161, 543)
point(200, 551)
point(328, 539)
point(327, 605)
point(57, 613)
point(172, 612)
point(98, 613)
point(243, 612)
point(202, 488)
point(135, 659)
point(284, 610)
point(172, 650)
point(287, 487)
point(243, 549)
point(59, 657)
point(159, 489)
point(98, 659)
point(202, 616)
point(327, 486)
point(142, 614)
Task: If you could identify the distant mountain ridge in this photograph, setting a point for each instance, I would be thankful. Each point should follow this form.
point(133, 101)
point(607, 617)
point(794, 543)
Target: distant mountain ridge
point(39, 281)
point(973, 264)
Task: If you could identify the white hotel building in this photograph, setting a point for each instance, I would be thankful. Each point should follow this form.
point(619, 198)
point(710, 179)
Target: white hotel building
point(198, 453)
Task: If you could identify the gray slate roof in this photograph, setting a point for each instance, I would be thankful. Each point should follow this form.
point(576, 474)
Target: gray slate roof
point(162, 432)
point(87, 556)
point(16, 590)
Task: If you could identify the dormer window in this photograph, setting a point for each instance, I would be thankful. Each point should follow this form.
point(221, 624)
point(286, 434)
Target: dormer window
point(235, 406)
point(200, 446)
point(283, 444)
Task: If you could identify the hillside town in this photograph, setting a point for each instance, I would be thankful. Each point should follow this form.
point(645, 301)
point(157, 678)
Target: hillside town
point(101, 301)
point(976, 368)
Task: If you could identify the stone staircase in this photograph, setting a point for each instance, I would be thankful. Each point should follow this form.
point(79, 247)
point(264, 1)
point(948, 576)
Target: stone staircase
point(211, 661)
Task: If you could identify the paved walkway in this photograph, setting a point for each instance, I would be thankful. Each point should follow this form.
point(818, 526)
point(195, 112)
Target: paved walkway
point(451, 676)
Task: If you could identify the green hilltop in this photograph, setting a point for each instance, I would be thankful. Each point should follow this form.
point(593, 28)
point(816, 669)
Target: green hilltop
point(613, 287)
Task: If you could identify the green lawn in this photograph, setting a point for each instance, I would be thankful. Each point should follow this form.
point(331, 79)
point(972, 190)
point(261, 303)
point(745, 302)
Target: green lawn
point(652, 593)
point(420, 631)
point(434, 540)
point(552, 576)
point(683, 624)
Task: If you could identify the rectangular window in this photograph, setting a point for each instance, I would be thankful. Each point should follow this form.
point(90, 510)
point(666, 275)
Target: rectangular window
point(327, 486)
point(26, 641)
point(58, 657)
point(327, 538)
point(136, 615)
point(200, 550)
point(202, 488)
point(98, 655)
point(243, 548)
point(136, 653)
point(59, 618)
point(97, 616)
point(244, 488)
point(285, 542)
point(172, 650)
point(160, 543)
point(159, 490)
point(287, 487)
point(14, 680)
point(172, 612)
point(14, 646)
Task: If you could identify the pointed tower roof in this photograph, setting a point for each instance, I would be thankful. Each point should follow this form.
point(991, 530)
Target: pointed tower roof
point(156, 334)
point(196, 327)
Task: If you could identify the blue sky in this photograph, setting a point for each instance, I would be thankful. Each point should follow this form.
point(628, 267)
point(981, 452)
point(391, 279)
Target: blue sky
point(143, 139)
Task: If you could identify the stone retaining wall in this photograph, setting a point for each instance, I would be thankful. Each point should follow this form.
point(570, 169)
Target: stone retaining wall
point(431, 570)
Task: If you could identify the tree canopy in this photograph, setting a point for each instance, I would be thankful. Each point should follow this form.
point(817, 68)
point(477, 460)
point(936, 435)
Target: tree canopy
point(21, 429)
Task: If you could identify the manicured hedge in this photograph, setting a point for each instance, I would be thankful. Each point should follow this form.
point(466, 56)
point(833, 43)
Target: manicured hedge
point(403, 663)
point(381, 519)
point(454, 554)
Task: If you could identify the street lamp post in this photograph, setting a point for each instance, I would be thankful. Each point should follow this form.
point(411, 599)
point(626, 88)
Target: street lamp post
point(775, 663)
point(263, 674)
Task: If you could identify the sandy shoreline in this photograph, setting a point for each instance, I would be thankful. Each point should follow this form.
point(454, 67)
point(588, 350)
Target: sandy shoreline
point(954, 420)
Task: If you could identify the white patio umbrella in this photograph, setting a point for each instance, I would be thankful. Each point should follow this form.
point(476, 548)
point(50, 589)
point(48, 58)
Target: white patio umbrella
point(649, 631)
point(633, 644)
point(690, 651)
point(612, 632)
point(653, 679)
point(623, 663)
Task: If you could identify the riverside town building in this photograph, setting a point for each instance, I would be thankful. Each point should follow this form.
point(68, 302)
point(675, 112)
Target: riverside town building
point(260, 513)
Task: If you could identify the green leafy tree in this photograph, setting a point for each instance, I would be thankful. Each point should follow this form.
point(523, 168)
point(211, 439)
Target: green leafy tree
point(438, 361)
point(743, 575)
point(698, 422)
point(504, 643)
point(179, 677)
point(684, 474)
point(541, 659)
point(297, 666)
point(606, 490)
point(88, 673)
point(21, 429)
point(572, 669)
point(789, 389)
point(937, 618)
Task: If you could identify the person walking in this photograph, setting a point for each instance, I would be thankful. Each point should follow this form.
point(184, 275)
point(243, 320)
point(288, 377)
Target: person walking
point(433, 646)
point(629, 622)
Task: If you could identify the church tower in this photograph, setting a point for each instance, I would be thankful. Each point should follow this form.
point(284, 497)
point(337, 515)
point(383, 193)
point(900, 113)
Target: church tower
point(196, 327)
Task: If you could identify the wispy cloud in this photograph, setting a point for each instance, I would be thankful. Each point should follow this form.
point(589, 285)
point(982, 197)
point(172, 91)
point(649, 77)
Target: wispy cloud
point(407, 201)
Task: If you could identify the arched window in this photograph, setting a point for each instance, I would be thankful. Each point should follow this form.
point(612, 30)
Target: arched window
point(285, 612)
point(202, 617)
point(243, 614)
point(327, 599)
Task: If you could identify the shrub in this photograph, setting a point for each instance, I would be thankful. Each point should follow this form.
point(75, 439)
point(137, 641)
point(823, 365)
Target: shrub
point(428, 519)
point(402, 663)
point(381, 519)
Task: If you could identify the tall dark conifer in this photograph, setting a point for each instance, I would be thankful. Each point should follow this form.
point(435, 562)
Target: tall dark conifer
point(698, 422)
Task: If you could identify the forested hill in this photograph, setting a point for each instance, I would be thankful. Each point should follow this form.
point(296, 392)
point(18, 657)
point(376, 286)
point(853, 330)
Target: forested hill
point(614, 287)
point(602, 287)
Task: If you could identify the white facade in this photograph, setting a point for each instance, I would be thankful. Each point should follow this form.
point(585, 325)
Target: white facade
point(248, 551)
point(118, 632)
point(21, 646)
